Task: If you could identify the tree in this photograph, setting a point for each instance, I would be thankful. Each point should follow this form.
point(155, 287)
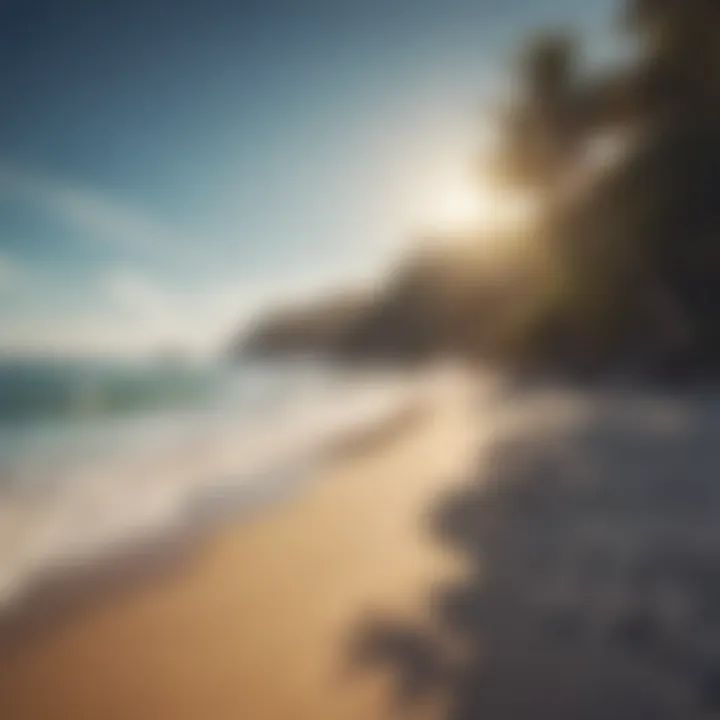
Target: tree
point(541, 129)
point(680, 42)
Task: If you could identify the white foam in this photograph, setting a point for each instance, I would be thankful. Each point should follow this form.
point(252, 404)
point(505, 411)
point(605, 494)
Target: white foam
point(91, 504)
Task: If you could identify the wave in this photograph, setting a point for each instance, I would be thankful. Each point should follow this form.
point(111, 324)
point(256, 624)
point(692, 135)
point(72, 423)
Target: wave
point(137, 477)
point(32, 391)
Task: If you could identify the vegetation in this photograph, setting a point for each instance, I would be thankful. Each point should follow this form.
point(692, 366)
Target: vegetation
point(624, 271)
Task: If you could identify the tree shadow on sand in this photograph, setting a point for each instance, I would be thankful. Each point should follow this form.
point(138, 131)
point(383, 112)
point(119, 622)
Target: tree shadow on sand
point(593, 583)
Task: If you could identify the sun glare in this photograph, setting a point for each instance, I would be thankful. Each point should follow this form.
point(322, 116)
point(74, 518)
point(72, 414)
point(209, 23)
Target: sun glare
point(466, 205)
point(456, 208)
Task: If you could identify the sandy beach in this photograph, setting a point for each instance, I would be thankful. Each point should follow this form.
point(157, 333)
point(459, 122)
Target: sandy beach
point(255, 622)
point(544, 555)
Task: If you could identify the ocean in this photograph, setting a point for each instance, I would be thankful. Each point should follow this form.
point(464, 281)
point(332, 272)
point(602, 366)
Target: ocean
point(95, 455)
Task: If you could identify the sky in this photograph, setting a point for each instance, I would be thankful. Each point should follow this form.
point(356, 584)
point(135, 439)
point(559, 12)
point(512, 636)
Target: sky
point(169, 166)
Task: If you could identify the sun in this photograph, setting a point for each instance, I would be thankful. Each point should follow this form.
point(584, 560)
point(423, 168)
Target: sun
point(456, 207)
point(467, 204)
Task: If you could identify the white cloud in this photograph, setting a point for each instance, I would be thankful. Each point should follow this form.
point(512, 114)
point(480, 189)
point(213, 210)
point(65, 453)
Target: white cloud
point(132, 312)
point(95, 215)
point(136, 293)
point(201, 317)
point(196, 318)
point(128, 309)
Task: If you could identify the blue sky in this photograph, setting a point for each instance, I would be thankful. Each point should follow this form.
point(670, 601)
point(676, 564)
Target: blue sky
point(166, 166)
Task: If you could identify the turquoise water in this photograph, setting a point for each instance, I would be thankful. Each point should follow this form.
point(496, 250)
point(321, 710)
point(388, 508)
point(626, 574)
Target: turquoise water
point(54, 413)
point(38, 391)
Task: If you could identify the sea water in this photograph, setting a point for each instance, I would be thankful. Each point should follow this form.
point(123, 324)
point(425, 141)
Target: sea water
point(97, 454)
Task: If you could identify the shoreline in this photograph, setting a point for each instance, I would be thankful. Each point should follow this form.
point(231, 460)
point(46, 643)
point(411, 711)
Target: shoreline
point(65, 590)
point(482, 544)
point(269, 599)
point(255, 623)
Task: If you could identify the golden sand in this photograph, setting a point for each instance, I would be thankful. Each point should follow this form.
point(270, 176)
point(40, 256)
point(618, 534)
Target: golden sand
point(255, 624)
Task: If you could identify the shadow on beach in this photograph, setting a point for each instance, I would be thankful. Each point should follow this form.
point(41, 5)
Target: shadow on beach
point(591, 543)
